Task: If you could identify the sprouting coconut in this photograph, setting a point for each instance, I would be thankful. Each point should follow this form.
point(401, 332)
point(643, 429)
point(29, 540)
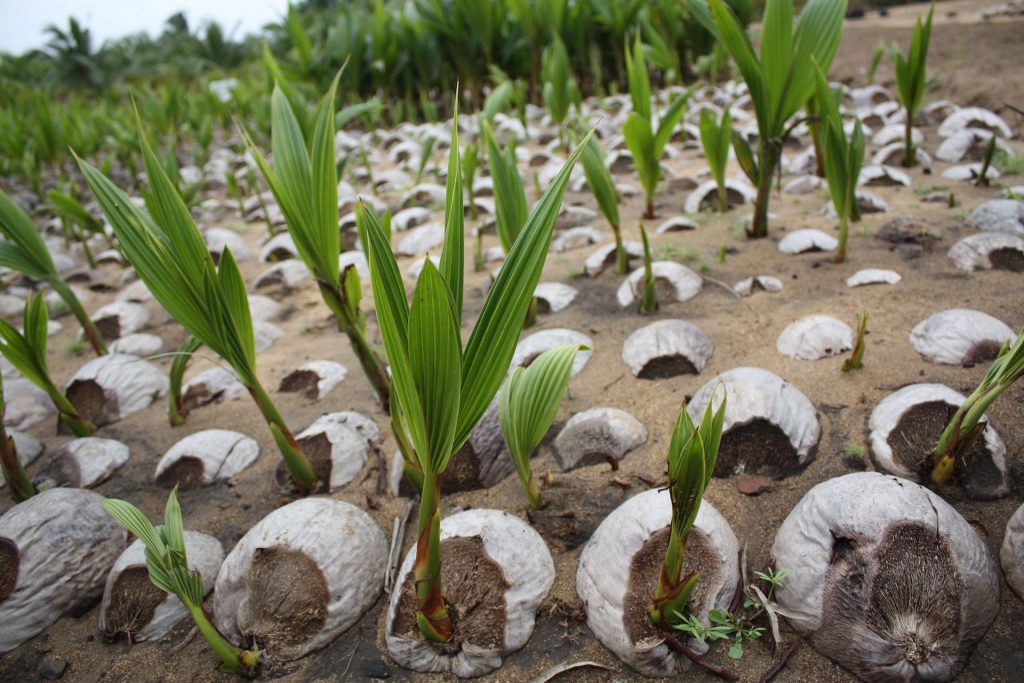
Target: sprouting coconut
point(887, 579)
point(55, 551)
point(301, 577)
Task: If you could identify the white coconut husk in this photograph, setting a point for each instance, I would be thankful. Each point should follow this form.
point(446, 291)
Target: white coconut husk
point(120, 318)
point(111, 387)
point(345, 547)
point(998, 215)
point(59, 545)
point(574, 238)
point(539, 342)
point(665, 340)
point(278, 248)
point(814, 337)
point(528, 569)
point(748, 285)
point(214, 385)
point(960, 335)
point(290, 274)
point(873, 276)
point(756, 394)
point(598, 435)
point(1011, 554)
point(25, 404)
point(410, 218)
point(604, 256)
point(86, 462)
point(974, 252)
point(217, 454)
point(137, 344)
point(935, 590)
point(675, 224)
point(314, 379)
point(807, 239)
point(974, 117)
point(888, 413)
point(349, 447)
point(217, 239)
point(205, 555)
point(602, 580)
point(675, 277)
point(737, 192)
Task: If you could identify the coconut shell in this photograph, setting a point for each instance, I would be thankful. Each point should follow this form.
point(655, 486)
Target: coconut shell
point(55, 551)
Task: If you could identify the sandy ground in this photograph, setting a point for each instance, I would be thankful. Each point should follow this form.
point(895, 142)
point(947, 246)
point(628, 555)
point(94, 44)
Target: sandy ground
point(744, 333)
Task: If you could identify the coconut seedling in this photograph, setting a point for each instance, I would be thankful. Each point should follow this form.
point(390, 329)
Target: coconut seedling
point(856, 359)
point(843, 157)
point(14, 472)
point(649, 300)
point(22, 249)
point(692, 453)
point(560, 89)
point(442, 388)
point(647, 141)
point(911, 80)
point(304, 180)
point(986, 162)
point(780, 81)
point(74, 216)
point(176, 412)
point(527, 406)
point(209, 301)
point(26, 351)
point(167, 564)
point(600, 181)
point(716, 138)
point(967, 424)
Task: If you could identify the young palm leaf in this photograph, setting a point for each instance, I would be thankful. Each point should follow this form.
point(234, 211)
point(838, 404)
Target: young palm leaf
point(692, 454)
point(14, 473)
point(22, 249)
point(209, 301)
point(176, 412)
point(73, 215)
point(599, 178)
point(527, 406)
point(856, 359)
point(560, 90)
point(966, 426)
point(716, 138)
point(843, 158)
point(780, 81)
point(169, 571)
point(911, 77)
point(645, 141)
point(510, 205)
point(27, 353)
point(441, 389)
point(649, 300)
point(305, 182)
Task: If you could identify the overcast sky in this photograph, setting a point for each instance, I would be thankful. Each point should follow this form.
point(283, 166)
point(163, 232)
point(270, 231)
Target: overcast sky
point(22, 21)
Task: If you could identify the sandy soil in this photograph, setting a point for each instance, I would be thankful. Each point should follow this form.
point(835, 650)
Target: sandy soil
point(744, 332)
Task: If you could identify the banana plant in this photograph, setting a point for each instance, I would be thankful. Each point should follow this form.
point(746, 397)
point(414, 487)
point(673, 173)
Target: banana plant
point(966, 425)
point(527, 406)
point(780, 81)
point(22, 249)
point(27, 353)
point(692, 454)
point(304, 181)
point(14, 472)
point(209, 301)
point(716, 138)
point(646, 141)
point(167, 565)
point(560, 89)
point(843, 157)
point(600, 181)
point(911, 80)
point(442, 388)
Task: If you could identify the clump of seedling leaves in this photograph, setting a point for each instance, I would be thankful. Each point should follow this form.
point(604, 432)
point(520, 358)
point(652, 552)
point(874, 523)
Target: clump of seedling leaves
point(911, 79)
point(14, 472)
point(692, 454)
point(527, 406)
point(22, 249)
point(26, 351)
point(856, 359)
point(209, 301)
point(781, 81)
point(602, 185)
point(440, 387)
point(966, 425)
point(715, 138)
point(168, 569)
